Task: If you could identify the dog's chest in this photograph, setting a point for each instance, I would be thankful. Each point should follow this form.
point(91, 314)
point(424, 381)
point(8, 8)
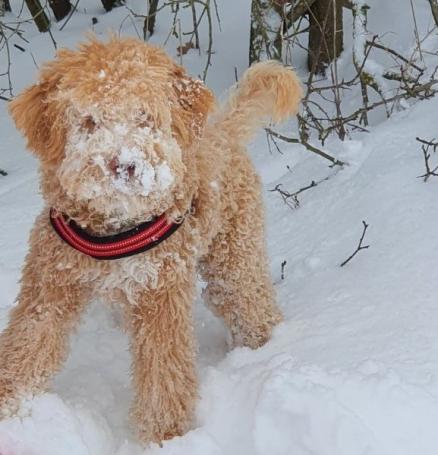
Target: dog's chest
point(127, 279)
point(137, 269)
point(127, 276)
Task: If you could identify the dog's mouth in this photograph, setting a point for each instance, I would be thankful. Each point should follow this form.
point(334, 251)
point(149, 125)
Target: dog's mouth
point(127, 173)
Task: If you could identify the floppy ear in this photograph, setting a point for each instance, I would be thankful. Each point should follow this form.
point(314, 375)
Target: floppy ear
point(193, 102)
point(37, 117)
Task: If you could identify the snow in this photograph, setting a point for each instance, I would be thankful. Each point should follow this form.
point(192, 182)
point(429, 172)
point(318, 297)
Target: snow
point(353, 370)
point(127, 145)
point(143, 170)
point(164, 176)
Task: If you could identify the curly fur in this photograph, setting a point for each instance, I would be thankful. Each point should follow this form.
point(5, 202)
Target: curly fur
point(122, 135)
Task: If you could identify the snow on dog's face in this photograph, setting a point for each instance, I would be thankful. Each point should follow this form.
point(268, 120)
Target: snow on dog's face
point(124, 168)
point(115, 126)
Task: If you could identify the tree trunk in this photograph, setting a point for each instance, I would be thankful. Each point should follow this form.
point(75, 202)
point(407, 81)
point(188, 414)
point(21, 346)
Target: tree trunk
point(300, 8)
point(149, 22)
point(4, 6)
point(38, 15)
point(60, 8)
point(325, 34)
point(266, 30)
point(434, 8)
point(110, 4)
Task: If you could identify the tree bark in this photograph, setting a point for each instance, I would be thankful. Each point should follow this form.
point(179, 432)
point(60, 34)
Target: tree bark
point(4, 6)
point(38, 15)
point(325, 34)
point(266, 30)
point(60, 8)
point(434, 8)
point(149, 22)
point(300, 8)
point(110, 4)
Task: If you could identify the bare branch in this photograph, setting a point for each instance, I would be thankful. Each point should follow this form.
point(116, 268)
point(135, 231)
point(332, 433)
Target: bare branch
point(283, 266)
point(308, 146)
point(359, 247)
point(425, 147)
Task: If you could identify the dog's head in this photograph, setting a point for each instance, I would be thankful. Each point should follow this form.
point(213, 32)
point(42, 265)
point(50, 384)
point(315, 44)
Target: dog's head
point(115, 126)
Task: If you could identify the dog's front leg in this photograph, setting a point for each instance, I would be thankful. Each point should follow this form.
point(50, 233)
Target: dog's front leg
point(34, 343)
point(163, 352)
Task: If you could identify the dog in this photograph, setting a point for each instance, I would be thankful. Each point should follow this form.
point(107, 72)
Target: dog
point(146, 183)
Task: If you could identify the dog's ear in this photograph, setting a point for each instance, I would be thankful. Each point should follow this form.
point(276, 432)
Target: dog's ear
point(36, 115)
point(193, 102)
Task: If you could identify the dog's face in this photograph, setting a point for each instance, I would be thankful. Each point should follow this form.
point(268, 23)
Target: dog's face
point(115, 127)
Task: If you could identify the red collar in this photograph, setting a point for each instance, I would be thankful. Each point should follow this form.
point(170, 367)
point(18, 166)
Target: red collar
point(141, 238)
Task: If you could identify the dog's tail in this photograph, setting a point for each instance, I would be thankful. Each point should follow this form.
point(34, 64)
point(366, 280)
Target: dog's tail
point(267, 91)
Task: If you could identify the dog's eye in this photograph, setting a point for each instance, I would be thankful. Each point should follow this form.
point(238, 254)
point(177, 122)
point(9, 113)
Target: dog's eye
point(88, 124)
point(145, 120)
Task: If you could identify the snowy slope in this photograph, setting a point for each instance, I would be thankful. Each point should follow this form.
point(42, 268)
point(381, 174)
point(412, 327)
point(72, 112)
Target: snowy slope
point(354, 367)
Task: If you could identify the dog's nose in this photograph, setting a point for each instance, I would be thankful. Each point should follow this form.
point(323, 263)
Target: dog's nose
point(114, 165)
point(118, 169)
point(130, 169)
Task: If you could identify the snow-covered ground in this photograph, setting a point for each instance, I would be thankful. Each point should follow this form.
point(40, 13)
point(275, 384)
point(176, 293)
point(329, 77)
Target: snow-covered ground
point(353, 370)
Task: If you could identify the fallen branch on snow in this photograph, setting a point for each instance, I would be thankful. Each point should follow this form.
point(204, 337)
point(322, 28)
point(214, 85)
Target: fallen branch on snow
point(425, 147)
point(359, 247)
point(291, 199)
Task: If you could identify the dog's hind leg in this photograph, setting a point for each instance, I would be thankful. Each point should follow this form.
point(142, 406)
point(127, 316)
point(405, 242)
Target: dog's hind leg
point(239, 286)
point(163, 350)
point(34, 344)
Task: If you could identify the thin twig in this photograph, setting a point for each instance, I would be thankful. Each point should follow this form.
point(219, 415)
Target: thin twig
point(308, 146)
point(426, 154)
point(417, 36)
point(395, 54)
point(291, 199)
point(210, 40)
point(70, 14)
point(359, 247)
point(283, 266)
point(426, 88)
point(195, 25)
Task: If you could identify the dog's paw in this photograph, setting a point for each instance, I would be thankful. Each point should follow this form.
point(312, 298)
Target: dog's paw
point(9, 400)
point(159, 431)
point(254, 334)
point(170, 420)
point(253, 339)
point(160, 434)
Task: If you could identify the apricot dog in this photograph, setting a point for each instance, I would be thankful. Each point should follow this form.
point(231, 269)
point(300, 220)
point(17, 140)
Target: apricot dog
point(145, 183)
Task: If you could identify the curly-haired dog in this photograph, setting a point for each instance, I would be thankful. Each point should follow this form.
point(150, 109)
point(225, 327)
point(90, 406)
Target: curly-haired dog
point(133, 155)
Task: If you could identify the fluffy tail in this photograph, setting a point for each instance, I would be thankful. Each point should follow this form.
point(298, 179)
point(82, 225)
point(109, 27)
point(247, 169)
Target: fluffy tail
point(267, 91)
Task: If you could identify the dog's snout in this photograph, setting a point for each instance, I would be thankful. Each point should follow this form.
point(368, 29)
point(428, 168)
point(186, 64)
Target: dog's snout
point(118, 169)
